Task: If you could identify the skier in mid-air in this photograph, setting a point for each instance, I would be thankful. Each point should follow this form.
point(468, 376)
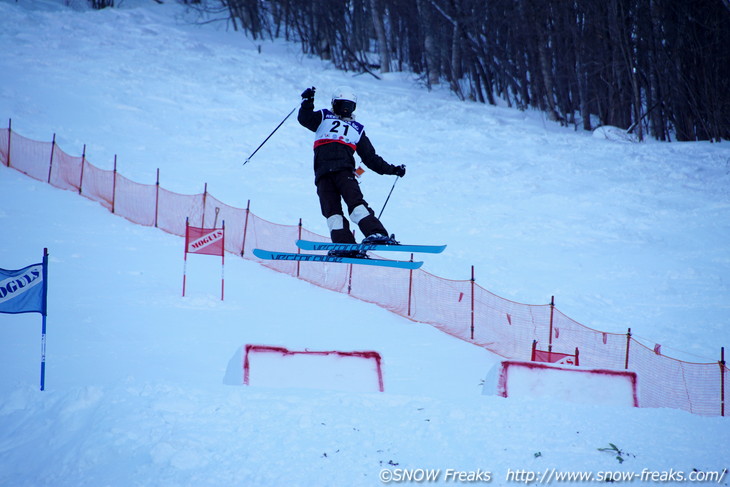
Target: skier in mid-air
point(337, 137)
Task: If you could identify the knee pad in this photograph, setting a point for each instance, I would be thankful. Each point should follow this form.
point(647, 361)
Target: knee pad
point(360, 212)
point(335, 222)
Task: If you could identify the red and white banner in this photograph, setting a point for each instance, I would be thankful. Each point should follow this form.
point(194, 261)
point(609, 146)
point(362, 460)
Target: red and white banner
point(206, 241)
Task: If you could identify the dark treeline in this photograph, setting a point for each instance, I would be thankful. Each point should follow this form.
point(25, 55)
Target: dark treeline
point(653, 67)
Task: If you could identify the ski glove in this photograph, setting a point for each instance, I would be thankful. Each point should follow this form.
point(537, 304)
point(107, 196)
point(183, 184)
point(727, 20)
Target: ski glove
point(308, 94)
point(400, 171)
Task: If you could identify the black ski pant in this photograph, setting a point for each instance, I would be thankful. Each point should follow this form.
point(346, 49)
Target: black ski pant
point(342, 185)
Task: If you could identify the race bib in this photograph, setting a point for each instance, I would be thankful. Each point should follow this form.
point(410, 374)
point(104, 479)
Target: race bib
point(334, 129)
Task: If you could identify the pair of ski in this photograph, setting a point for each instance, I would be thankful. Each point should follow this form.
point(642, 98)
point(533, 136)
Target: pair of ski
point(309, 245)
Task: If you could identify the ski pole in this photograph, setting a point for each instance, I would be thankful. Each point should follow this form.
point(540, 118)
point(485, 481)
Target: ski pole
point(267, 138)
point(386, 199)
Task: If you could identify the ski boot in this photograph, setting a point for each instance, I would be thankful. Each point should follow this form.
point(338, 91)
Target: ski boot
point(380, 239)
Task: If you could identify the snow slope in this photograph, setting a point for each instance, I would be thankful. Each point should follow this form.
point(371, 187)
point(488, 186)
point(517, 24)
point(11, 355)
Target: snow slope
point(624, 235)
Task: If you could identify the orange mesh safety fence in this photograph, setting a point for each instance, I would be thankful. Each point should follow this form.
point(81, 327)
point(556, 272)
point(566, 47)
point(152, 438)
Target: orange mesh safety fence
point(460, 308)
point(174, 208)
point(136, 202)
point(29, 156)
point(597, 349)
point(5, 147)
point(65, 170)
point(98, 185)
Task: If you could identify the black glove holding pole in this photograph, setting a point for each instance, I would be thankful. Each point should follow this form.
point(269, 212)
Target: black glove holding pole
point(308, 94)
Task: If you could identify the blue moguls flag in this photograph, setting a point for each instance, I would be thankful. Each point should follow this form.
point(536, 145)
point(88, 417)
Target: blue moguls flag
point(24, 290)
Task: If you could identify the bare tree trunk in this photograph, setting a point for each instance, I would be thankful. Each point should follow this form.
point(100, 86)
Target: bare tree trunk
point(546, 68)
point(627, 49)
point(383, 50)
point(429, 44)
point(457, 71)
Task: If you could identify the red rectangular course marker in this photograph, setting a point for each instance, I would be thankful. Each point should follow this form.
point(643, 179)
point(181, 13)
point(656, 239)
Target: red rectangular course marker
point(565, 383)
point(359, 371)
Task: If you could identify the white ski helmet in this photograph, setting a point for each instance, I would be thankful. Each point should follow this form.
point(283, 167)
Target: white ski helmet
point(344, 101)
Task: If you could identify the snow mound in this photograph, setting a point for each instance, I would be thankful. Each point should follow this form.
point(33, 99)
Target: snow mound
point(615, 134)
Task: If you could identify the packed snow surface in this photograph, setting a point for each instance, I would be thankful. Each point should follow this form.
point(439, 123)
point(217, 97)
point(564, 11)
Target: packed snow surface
point(623, 235)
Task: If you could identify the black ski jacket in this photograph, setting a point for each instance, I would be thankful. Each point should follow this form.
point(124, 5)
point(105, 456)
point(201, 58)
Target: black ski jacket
point(332, 157)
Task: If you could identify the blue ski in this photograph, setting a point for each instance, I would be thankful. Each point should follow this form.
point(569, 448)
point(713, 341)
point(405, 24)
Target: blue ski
point(309, 245)
point(284, 256)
